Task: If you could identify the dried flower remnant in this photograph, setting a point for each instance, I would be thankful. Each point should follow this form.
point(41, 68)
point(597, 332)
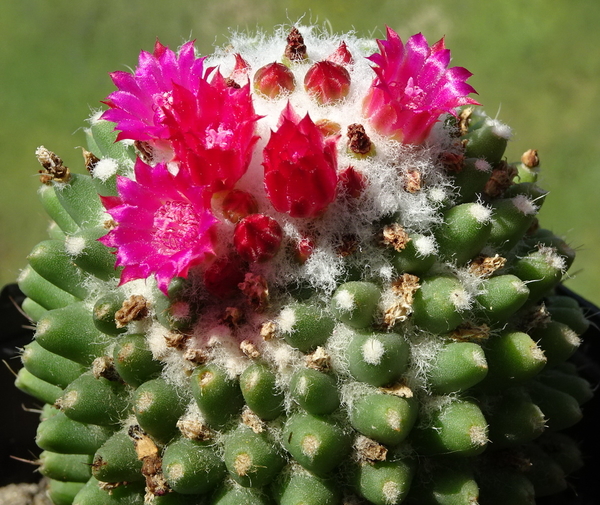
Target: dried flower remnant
point(413, 87)
point(295, 49)
point(530, 158)
point(53, 167)
point(358, 141)
point(162, 228)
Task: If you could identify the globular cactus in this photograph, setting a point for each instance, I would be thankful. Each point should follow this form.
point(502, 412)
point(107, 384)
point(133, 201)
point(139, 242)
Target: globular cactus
point(300, 274)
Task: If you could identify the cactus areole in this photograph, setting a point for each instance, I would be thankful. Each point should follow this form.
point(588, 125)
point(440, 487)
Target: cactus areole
point(299, 271)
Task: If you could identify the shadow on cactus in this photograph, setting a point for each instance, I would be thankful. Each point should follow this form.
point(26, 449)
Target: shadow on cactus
point(300, 271)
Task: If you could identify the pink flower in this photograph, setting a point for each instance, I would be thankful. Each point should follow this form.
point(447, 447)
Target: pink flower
point(206, 125)
point(162, 225)
point(212, 131)
point(413, 87)
point(137, 105)
point(300, 167)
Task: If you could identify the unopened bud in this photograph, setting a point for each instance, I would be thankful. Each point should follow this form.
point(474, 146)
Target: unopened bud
point(274, 79)
point(352, 183)
point(223, 276)
point(341, 55)
point(304, 249)
point(257, 238)
point(241, 70)
point(327, 82)
point(328, 128)
point(238, 204)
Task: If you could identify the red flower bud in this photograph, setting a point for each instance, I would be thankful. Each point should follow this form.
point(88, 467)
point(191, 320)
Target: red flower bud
point(327, 82)
point(303, 250)
point(328, 128)
point(341, 55)
point(352, 183)
point(300, 167)
point(224, 275)
point(257, 238)
point(241, 70)
point(238, 204)
point(274, 79)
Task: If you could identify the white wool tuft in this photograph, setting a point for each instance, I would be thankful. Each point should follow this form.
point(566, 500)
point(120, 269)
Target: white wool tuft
point(425, 245)
point(481, 213)
point(344, 300)
point(500, 129)
point(461, 299)
point(520, 286)
point(105, 169)
point(553, 259)
point(479, 358)
point(524, 205)
point(74, 246)
point(572, 338)
point(391, 492)
point(438, 194)
point(286, 320)
point(482, 165)
point(478, 435)
point(372, 351)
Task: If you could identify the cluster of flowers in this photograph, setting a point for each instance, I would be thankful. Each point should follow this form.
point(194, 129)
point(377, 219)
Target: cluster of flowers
point(195, 132)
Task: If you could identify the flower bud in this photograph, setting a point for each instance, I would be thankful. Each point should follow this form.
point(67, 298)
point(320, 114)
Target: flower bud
point(327, 82)
point(241, 70)
point(274, 79)
point(257, 238)
point(328, 128)
point(303, 249)
point(341, 55)
point(300, 167)
point(238, 204)
point(352, 182)
point(223, 276)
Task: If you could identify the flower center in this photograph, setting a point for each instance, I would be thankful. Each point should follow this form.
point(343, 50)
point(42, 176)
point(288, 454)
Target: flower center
point(218, 138)
point(176, 227)
point(413, 94)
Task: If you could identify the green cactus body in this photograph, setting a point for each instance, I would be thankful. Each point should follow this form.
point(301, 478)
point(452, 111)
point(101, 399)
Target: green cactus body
point(361, 342)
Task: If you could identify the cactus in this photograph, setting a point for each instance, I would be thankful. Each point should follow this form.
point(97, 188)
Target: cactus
point(335, 293)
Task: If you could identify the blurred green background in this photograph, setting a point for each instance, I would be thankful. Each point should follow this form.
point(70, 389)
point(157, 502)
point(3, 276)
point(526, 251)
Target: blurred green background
point(536, 63)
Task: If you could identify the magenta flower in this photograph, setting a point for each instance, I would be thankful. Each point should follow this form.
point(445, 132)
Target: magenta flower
point(212, 131)
point(137, 106)
point(300, 166)
point(413, 87)
point(162, 225)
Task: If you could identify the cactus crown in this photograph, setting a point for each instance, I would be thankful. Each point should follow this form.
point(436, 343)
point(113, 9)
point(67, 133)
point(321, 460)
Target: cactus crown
point(299, 274)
